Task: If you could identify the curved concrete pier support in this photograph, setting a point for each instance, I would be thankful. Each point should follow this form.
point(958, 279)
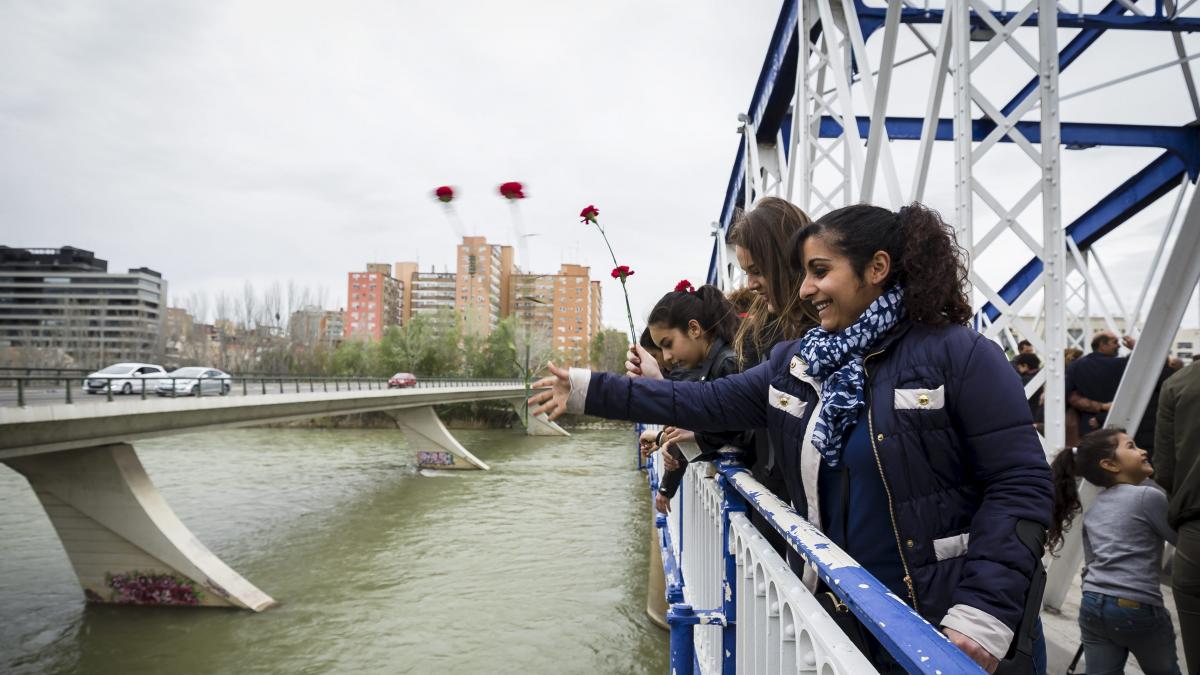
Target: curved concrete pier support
point(125, 543)
point(429, 438)
point(539, 425)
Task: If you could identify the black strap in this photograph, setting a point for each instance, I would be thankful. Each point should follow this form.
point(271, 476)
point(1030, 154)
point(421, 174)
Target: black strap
point(1020, 653)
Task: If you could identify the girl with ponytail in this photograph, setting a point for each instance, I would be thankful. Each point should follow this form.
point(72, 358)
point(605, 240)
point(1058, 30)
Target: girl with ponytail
point(903, 434)
point(1121, 610)
point(693, 328)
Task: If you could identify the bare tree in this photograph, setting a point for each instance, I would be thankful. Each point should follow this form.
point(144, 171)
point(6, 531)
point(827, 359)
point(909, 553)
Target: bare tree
point(223, 307)
point(272, 305)
point(250, 308)
point(196, 304)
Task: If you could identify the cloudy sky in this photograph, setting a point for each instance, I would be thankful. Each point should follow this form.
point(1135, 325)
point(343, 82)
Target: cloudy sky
point(221, 142)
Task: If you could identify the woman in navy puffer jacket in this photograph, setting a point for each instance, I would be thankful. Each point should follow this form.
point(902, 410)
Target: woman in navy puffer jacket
point(905, 435)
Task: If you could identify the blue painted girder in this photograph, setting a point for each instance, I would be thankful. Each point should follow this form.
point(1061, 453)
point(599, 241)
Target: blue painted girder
point(1142, 189)
point(871, 19)
point(1181, 141)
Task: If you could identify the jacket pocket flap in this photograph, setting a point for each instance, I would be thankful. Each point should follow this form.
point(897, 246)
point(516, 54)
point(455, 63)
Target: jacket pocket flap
point(920, 399)
point(788, 403)
point(952, 546)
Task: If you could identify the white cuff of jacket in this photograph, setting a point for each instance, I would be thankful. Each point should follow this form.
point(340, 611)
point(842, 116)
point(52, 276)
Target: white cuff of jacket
point(580, 379)
point(987, 630)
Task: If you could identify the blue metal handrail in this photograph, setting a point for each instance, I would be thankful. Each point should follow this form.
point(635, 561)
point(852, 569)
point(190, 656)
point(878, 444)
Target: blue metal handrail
point(915, 644)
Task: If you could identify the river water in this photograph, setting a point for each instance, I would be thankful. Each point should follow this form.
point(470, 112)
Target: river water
point(537, 566)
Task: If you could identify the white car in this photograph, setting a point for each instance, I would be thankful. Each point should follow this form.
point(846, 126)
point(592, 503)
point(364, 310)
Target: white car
point(126, 378)
point(195, 381)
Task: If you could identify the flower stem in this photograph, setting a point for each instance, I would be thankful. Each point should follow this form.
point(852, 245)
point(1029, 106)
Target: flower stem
point(628, 312)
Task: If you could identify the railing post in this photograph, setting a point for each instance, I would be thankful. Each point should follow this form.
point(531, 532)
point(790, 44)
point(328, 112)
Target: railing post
point(20, 392)
point(173, 388)
point(281, 385)
point(731, 502)
point(70, 383)
point(683, 647)
point(108, 389)
point(244, 392)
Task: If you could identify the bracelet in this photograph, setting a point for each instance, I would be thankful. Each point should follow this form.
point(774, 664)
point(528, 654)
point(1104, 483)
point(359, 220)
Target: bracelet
point(658, 438)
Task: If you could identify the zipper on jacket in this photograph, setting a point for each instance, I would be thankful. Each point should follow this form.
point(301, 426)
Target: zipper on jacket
point(908, 582)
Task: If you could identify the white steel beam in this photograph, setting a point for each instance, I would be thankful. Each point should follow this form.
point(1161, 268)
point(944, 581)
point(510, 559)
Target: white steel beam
point(960, 40)
point(877, 92)
point(1158, 253)
point(933, 106)
point(1054, 267)
point(840, 70)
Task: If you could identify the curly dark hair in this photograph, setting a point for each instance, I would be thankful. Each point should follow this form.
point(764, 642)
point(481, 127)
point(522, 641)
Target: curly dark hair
point(925, 256)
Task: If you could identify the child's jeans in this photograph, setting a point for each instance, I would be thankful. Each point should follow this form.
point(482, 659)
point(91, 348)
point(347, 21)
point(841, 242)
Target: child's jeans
point(1111, 628)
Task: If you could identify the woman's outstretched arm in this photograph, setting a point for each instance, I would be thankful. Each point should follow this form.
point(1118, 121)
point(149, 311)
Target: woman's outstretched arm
point(730, 403)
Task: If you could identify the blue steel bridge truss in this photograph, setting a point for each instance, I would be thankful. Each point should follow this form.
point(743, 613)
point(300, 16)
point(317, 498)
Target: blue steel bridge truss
point(802, 120)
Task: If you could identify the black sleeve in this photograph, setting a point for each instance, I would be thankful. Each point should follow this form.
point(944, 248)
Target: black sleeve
point(672, 479)
point(711, 442)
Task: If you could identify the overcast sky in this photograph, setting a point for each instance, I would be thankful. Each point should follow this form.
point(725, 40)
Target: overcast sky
point(219, 142)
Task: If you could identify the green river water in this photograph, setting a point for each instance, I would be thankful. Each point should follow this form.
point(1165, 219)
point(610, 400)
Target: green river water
point(537, 566)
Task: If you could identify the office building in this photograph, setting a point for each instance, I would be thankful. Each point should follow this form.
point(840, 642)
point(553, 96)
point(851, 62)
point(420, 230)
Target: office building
point(65, 301)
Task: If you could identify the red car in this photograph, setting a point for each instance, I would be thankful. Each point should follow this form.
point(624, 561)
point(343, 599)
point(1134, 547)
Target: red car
point(402, 381)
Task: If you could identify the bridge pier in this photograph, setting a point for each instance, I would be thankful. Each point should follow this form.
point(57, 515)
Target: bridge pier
point(125, 543)
point(536, 425)
point(429, 438)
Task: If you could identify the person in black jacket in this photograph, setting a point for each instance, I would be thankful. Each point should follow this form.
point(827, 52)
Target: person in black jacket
point(693, 328)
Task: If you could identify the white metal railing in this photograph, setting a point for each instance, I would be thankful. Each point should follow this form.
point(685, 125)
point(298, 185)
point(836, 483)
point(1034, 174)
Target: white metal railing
point(737, 606)
point(702, 558)
point(783, 627)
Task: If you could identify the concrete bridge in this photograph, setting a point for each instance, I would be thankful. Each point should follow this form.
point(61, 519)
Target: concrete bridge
point(125, 543)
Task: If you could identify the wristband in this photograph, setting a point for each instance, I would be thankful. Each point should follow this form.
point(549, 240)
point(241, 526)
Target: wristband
point(658, 438)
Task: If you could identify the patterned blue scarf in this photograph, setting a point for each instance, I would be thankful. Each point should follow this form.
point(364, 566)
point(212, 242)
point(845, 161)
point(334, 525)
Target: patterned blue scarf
point(836, 361)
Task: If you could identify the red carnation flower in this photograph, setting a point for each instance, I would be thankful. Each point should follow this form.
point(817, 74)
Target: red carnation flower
point(445, 194)
point(622, 272)
point(685, 286)
point(589, 214)
point(512, 190)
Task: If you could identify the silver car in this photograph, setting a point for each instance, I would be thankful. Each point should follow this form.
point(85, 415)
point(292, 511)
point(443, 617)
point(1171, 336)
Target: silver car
point(126, 378)
point(194, 381)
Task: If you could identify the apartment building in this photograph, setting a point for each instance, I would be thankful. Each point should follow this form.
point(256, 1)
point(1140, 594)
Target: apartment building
point(482, 284)
point(316, 325)
point(373, 302)
point(565, 306)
